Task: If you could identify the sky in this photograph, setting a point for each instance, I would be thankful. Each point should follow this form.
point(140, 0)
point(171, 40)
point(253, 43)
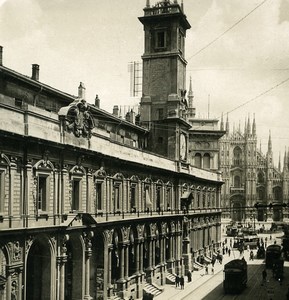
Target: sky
point(237, 53)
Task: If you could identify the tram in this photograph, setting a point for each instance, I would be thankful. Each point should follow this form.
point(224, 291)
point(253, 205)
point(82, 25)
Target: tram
point(273, 254)
point(235, 276)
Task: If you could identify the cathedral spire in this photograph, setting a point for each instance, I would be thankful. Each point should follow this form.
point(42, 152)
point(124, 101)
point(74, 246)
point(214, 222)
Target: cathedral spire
point(249, 126)
point(148, 3)
point(191, 108)
point(222, 123)
point(254, 127)
point(269, 143)
point(279, 164)
point(190, 94)
point(285, 166)
point(227, 125)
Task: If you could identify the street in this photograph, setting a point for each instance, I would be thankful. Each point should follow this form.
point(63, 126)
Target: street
point(212, 288)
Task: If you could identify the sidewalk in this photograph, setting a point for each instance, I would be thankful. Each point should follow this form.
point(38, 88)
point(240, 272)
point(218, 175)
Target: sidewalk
point(198, 278)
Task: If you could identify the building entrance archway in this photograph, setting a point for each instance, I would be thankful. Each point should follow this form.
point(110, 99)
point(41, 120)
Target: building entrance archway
point(38, 278)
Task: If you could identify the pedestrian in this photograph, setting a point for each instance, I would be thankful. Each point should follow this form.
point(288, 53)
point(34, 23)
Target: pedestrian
point(270, 237)
point(251, 255)
point(207, 270)
point(248, 248)
point(230, 243)
point(264, 276)
point(213, 270)
point(226, 249)
point(213, 260)
point(182, 282)
point(189, 275)
point(229, 251)
point(177, 280)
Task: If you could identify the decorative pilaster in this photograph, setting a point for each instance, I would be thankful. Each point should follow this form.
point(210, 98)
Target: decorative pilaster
point(89, 185)
point(27, 180)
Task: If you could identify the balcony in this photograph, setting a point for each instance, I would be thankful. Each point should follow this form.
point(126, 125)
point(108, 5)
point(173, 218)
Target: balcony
point(162, 8)
point(237, 190)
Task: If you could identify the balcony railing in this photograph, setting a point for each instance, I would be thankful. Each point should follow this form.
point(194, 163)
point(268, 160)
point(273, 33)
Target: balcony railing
point(239, 190)
point(162, 8)
point(32, 221)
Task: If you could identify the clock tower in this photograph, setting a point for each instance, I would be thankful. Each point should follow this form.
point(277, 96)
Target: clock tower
point(163, 106)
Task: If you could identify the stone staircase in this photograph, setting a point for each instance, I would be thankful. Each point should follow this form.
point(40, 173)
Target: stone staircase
point(151, 289)
point(170, 278)
point(197, 266)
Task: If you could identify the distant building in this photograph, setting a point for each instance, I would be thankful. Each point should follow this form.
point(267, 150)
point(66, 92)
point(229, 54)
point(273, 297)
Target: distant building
point(95, 206)
point(254, 189)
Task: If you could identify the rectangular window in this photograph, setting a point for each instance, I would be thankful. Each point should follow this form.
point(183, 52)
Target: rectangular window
point(160, 113)
point(158, 197)
point(116, 198)
point(98, 194)
point(133, 197)
point(160, 39)
point(75, 195)
point(42, 193)
point(169, 198)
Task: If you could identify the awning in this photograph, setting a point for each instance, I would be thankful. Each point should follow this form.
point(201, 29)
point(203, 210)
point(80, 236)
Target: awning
point(187, 196)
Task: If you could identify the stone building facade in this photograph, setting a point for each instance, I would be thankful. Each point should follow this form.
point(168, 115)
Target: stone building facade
point(254, 188)
point(90, 208)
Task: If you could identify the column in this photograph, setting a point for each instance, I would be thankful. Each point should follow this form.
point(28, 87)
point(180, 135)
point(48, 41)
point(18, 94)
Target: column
point(153, 253)
point(137, 257)
point(61, 261)
point(150, 267)
point(121, 263)
point(109, 285)
point(126, 265)
point(88, 253)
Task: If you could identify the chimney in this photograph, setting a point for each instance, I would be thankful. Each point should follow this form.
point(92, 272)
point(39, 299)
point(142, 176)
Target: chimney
point(1, 56)
point(115, 111)
point(81, 91)
point(35, 72)
point(96, 101)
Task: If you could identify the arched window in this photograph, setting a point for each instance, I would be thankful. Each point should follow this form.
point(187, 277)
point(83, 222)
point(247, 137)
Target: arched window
point(198, 160)
point(260, 177)
point(237, 181)
point(206, 161)
point(237, 156)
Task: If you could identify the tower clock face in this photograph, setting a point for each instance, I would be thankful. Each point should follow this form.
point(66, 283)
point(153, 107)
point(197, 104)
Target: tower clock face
point(183, 146)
